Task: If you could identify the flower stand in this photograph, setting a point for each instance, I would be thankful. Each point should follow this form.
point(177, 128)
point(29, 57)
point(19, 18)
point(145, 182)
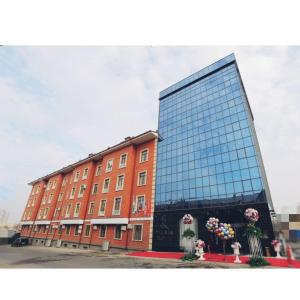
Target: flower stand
point(200, 253)
point(277, 250)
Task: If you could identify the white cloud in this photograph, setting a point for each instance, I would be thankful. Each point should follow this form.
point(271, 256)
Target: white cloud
point(60, 103)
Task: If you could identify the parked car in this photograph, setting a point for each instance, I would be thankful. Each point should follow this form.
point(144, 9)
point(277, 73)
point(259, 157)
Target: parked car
point(19, 242)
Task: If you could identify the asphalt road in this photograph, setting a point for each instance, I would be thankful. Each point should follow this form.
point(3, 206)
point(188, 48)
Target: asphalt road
point(48, 257)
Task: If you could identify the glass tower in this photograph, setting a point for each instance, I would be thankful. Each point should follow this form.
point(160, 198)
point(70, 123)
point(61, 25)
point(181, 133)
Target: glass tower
point(208, 161)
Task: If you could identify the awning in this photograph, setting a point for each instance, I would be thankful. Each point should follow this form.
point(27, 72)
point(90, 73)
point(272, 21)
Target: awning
point(26, 223)
point(42, 222)
point(71, 222)
point(117, 221)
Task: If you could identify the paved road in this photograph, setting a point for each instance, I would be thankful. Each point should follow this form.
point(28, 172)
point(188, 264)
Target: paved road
point(44, 257)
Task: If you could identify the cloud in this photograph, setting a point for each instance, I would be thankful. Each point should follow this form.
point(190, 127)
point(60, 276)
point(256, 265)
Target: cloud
point(60, 103)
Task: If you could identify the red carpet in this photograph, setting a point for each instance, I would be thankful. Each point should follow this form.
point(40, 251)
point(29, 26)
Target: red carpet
point(214, 257)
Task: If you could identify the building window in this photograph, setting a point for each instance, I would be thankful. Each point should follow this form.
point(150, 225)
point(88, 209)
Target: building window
point(50, 198)
point(117, 206)
point(105, 185)
point(123, 161)
point(76, 210)
point(102, 232)
point(44, 200)
point(144, 155)
point(81, 190)
point(102, 208)
point(118, 232)
point(64, 181)
point(91, 208)
point(72, 194)
point(142, 178)
point(54, 184)
point(46, 213)
point(77, 175)
point(59, 229)
point(140, 203)
point(51, 229)
point(109, 165)
point(56, 212)
point(41, 213)
point(95, 189)
point(98, 170)
point(87, 230)
point(33, 201)
point(85, 173)
point(68, 210)
point(137, 232)
point(76, 231)
point(60, 197)
point(49, 185)
point(68, 229)
point(120, 183)
point(38, 189)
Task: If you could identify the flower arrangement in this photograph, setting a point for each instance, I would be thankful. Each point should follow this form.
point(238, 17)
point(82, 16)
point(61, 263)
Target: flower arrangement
point(187, 219)
point(188, 233)
point(275, 243)
point(200, 244)
point(212, 224)
point(252, 230)
point(225, 231)
point(236, 245)
point(251, 215)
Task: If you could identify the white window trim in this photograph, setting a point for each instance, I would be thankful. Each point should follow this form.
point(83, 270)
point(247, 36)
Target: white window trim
point(122, 187)
point(80, 195)
point(145, 149)
point(119, 239)
point(72, 196)
point(60, 196)
point(54, 184)
point(76, 226)
point(136, 202)
point(112, 163)
point(98, 167)
point(68, 213)
point(76, 178)
point(106, 191)
point(102, 237)
point(133, 233)
point(93, 188)
point(50, 198)
point(83, 174)
point(123, 166)
point(76, 214)
point(84, 234)
point(100, 214)
point(64, 182)
point(138, 183)
point(114, 213)
point(69, 227)
point(89, 209)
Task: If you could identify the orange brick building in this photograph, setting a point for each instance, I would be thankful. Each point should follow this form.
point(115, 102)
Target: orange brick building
point(106, 197)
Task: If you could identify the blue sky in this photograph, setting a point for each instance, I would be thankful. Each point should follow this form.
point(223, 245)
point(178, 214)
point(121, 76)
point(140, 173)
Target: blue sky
point(59, 104)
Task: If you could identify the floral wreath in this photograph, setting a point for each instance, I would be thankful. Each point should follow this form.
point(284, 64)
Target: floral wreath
point(187, 219)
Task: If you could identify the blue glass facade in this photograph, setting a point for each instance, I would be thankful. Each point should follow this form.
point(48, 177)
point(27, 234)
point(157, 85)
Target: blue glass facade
point(208, 154)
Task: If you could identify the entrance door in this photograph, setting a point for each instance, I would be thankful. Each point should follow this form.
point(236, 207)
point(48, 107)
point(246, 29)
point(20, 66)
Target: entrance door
point(183, 227)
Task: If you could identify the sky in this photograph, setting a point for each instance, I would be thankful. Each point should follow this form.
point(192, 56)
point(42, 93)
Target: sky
point(58, 104)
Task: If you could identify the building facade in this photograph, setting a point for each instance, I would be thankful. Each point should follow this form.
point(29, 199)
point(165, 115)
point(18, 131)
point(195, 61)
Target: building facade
point(107, 197)
point(208, 162)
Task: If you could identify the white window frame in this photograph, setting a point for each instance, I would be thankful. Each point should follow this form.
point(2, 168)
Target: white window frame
point(45, 212)
point(68, 210)
point(120, 188)
point(49, 185)
point(138, 183)
point(76, 213)
point(50, 198)
point(106, 190)
point(64, 182)
point(56, 212)
point(85, 173)
point(92, 204)
point(98, 170)
point(85, 227)
point(115, 233)
point(107, 164)
point(93, 189)
point(114, 212)
point(77, 176)
point(69, 230)
point(102, 226)
point(100, 212)
point(72, 195)
point(81, 193)
point(41, 212)
point(123, 165)
point(133, 232)
point(60, 196)
point(143, 150)
point(78, 230)
point(136, 203)
point(54, 184)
